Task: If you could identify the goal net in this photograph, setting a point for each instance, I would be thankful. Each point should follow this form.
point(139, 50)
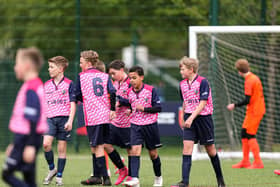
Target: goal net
point(217, 48)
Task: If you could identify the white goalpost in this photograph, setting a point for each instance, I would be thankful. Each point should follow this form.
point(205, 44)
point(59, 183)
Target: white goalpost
point(217, 48)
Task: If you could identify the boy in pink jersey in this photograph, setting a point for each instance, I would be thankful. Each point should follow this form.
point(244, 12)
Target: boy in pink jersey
point(61, 108)
point(28, 120)
point(145, 104)
point(120, 126)
point(95, 89)
point(198, 126)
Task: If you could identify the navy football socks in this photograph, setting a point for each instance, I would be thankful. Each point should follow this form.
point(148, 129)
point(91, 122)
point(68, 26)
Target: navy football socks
point(101, 167)
point(129, 165)
point(186, 168)
point(217, 166)
point(116, 159)
point(50, 159)
point(94, 169)
point(135, 165)
point(60, 166)
point(157, 166)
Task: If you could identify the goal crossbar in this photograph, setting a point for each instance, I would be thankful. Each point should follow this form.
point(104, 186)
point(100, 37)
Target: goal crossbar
point(194, 30)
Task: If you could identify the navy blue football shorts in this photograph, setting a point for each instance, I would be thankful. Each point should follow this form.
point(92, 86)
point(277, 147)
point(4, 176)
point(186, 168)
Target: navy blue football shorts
point(119, 136)
point(148, 134)
point(201, 130)
point(56, 128)
point(98, 134)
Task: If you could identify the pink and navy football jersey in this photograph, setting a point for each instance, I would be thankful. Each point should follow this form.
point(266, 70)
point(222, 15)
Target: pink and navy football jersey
point(29, 109)
point(93, 88)
point(148, 98)
point(122, 120)
point(193, 93)
point(58, 97)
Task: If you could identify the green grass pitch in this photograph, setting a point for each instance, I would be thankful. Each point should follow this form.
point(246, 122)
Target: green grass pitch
point(78, 167)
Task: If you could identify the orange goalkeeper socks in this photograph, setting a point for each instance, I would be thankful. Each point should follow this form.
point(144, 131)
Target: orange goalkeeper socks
point(246, 150)
point(254, 147)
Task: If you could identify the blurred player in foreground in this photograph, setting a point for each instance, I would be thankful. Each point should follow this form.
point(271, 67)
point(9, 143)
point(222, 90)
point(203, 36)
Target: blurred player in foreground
point(28, 121)
point(254, 100)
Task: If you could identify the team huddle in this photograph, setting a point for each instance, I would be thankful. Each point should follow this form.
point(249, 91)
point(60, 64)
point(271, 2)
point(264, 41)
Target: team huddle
point(121, 112)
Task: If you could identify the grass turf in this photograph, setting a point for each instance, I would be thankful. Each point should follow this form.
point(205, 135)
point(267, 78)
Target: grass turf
point(78, 167)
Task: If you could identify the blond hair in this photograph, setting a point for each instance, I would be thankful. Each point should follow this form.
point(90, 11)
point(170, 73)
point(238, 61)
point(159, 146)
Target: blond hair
point(90, 56)
point(100, 66)
point(242, 65)
point(189, 63)
point(33, 54)
point(59, 61)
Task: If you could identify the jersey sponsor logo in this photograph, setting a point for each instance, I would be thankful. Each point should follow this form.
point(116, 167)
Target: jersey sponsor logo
point(49, 92)
point(193, 101)
point(58, 101)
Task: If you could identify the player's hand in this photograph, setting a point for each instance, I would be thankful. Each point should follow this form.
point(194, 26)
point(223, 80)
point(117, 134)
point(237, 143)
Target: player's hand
point(117, 104)
point(68, 126)
point(112, 114)
point(128, 112)
point(188, 123)
point(9, 149)
point(140, 107)
point(230, 107)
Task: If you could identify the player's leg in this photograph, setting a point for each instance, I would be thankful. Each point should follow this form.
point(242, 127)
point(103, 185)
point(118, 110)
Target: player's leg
point(29, 159)
point(152, 141)
point(121, 138)
point(136, 141)
point(101, 165)
point(14, 161)
point(61, 161)
point(96, 178)
point(205, 133)
point(245, 162)
point(253, 143)
point(215, 161)
point(48, 152)
point(134, 166)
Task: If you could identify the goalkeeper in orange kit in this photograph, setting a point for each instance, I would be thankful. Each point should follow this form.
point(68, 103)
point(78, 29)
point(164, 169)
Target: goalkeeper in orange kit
point(254, 100)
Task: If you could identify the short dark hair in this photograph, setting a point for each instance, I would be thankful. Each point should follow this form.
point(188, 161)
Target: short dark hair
point(137, 69)
point(116, 64)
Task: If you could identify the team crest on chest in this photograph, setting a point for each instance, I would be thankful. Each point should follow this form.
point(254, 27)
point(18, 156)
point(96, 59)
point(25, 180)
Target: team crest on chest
point(146, 99)
point(196, 91)
point(63, 92)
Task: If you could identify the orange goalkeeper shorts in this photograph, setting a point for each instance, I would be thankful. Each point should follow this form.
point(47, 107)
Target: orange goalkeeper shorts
point(251, 123)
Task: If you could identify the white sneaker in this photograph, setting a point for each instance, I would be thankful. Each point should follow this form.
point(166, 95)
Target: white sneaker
point(158, 181)
point(58, 181)
point(50, 176)
point(134, 181)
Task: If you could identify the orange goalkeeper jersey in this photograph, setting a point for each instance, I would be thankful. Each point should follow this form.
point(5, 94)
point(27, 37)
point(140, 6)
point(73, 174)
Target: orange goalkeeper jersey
point(253, 88)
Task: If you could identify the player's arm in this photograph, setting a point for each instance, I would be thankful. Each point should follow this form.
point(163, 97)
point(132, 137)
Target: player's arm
point(246, 100)
point(203, 98)
point(32, 113)
point(72, 98)
point(156, 106)
point(77, 90)
point(112, 93)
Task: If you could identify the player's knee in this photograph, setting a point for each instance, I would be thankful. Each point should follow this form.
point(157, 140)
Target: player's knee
point(47, 146)
point(153, 154)
point(108, 148)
